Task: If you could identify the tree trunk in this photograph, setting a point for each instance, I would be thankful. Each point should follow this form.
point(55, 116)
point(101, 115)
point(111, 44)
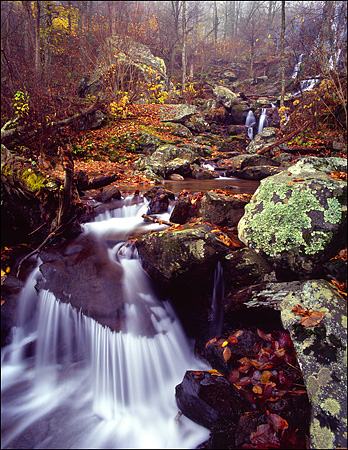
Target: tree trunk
point(183, 54)
point(283, 55)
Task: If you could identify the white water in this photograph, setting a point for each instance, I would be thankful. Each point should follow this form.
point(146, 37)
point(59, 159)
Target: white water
point(262, 121)
point(88, 387)
point(297, 66)
point(250, 122)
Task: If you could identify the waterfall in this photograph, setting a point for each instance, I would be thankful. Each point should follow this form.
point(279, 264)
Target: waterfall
point(297, 66)
point(217, 315)
point(263, 121)
point(250, 122)
point(86, 386)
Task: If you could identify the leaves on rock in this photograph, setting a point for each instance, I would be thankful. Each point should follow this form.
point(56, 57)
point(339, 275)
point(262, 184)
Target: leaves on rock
point(311, 318)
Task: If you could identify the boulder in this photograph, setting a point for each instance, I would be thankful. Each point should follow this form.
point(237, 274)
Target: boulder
point(108, 193)
point(238, 114)
point(221, 209)
point(197, 124)
point(180, 130)
point(268, 136)
point(191, 250)
point(166, 160)
point(297, 219)
point(321, 352)
point(159, 200)
point(209, 400)
point(200, 173)
point(225, 96)
point(176, 113)
point(118, 55)
point(257, 172)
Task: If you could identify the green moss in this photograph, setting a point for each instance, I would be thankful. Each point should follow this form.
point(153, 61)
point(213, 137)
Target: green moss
point(34, 181)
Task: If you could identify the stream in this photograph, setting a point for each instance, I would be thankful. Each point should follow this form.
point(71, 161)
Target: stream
point(69, 382)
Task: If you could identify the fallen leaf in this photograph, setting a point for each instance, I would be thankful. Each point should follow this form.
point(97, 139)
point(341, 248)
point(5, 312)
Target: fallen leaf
point(278, 422)
point(211, 341)
point(265, 376)
point(257, 389)
point(215, 372)
point(226, 354)
point(315, 318)
point(224, 344)
point(264, 336)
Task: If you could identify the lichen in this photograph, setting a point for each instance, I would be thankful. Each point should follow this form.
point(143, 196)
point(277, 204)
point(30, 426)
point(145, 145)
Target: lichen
point(322, 437)
point(331, 406)
point(34, 181)
point(282, 223)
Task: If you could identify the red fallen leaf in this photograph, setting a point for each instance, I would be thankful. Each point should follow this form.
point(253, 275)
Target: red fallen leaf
point(268, 390)
point(264, 336)
point(233, 376)
point(264, 436)
point(244, 381)
point(277, 422)
point(245, 365)
point(233, 338)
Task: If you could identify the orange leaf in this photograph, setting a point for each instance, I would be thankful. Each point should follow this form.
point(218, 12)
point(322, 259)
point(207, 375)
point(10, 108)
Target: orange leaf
point(265, 377)
point(226, 354)
point(211, 341)
point(257, 389)
point(264, 336)
point(315, 318)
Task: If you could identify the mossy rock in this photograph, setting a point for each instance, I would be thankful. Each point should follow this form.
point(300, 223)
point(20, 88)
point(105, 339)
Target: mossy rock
point(297, 219)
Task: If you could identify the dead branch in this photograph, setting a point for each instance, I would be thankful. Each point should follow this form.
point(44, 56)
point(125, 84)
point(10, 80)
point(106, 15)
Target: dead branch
point(159, 221)
point(284, 139)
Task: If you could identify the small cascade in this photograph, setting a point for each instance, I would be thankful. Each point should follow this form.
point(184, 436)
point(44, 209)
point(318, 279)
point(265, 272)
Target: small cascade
point(250, 122)
point(217, 315)
point(263, 121)
point(97, 388)
point(297, 66)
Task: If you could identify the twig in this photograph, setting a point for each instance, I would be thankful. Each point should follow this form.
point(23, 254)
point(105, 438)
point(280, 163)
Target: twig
point(160, 221)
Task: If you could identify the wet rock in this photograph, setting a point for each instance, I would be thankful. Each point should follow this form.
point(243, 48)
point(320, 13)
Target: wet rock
point(180, 130)
point(159, 200)
point(183, 211)
point(238, 130)
point(268, 136)
point(197, 124)
point(173, 253)
point(199, 173)
point(245, 267)
point(209, 399)
point(221, 209)
point(257, 172)
point(298, 218)
point(258, 160)
point(108, 193)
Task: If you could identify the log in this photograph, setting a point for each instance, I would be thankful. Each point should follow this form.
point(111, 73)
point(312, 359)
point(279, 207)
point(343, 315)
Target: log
point(21, 134)
point(284, 139)
point(160, 221)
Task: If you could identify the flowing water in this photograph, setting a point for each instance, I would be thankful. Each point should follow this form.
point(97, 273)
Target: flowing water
point(250, 121)
point(69, 382)
point(262, 121)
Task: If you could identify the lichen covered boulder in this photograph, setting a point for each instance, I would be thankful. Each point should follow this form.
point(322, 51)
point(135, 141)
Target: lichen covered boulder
point(297, 219)
point(321, 352)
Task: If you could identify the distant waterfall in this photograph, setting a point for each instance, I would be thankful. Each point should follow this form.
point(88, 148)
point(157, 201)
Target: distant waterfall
point(217, 314)
point(263, 121)
point(250, 122)
point(297, 66)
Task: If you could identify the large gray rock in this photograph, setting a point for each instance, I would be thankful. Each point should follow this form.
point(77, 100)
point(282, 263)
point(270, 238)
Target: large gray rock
point(298, 218)
point(176, 113)
point(166, 160)
point(268, 136)
point(225, 96)
point(221, 209)
point(118, 56)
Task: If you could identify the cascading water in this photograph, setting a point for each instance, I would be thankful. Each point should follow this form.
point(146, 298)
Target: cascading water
point(297, 66)
point(263, 121)
point(250, 122)
point(86, 386)
point(217, 315)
